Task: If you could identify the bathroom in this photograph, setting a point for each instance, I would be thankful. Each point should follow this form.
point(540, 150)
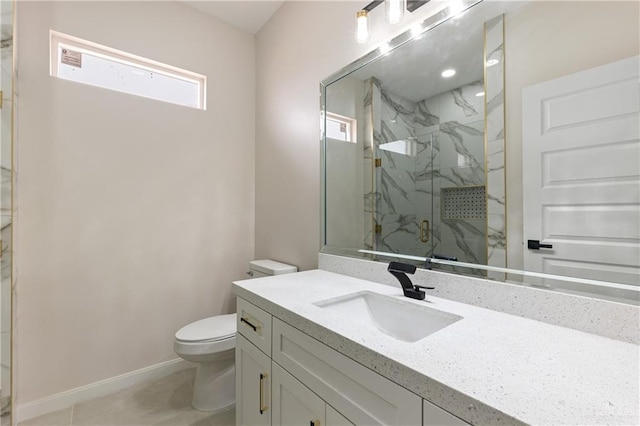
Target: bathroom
point(133, 217)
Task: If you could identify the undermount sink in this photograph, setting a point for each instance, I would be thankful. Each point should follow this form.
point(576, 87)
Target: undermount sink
point(401, 320)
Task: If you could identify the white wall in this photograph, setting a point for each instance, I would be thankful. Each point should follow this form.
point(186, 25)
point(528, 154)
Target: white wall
point(133, 215)
point(344, 164)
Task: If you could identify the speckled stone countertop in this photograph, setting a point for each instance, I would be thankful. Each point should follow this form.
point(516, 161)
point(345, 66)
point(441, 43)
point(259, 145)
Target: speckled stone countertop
point(488, 368)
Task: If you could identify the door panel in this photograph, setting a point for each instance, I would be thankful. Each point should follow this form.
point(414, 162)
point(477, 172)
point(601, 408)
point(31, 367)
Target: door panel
point(581, 173)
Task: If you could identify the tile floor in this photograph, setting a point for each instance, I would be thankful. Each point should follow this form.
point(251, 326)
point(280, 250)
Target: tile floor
point(165, 402)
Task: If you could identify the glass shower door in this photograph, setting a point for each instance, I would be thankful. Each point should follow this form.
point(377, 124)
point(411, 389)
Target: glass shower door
point(404, 204)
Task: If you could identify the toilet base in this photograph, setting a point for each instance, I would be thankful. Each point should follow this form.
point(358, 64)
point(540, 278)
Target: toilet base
point(215, 387)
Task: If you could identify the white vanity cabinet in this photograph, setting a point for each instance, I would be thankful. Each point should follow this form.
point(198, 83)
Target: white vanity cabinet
point(312, 384)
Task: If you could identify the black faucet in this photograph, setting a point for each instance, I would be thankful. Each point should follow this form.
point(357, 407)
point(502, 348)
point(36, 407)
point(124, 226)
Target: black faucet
point(399, 270)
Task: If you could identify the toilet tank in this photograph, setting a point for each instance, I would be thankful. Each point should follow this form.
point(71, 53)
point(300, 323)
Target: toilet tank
point(266, 267)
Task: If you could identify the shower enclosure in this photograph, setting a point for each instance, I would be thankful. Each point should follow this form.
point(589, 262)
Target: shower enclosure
point(427, 195)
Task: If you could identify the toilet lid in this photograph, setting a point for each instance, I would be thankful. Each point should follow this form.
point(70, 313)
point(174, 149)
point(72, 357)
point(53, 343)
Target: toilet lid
point(209, 329)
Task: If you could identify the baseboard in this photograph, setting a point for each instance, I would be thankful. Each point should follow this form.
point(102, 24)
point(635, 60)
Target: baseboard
point(104, 387)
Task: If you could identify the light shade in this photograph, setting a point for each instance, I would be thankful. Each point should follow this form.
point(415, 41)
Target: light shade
point(394, 10)
point(362, 27)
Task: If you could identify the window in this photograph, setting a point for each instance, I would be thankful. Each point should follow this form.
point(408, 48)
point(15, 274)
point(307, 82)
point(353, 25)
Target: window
point(90, 63)
point(340, 128)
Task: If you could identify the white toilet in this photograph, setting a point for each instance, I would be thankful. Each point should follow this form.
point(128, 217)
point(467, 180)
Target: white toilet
point(211, 343)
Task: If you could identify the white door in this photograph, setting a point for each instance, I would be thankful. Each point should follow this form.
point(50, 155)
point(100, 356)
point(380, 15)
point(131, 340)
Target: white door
point(253, 389)
point(293, 403)
point(581, 174)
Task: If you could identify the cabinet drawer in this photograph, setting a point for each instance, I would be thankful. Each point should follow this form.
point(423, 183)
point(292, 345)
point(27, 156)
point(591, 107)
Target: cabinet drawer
point(255, 325)
point(361, 395)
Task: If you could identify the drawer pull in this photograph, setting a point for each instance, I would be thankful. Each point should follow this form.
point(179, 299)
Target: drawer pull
point(263, 406)
point(246, 321)
point(424, 236)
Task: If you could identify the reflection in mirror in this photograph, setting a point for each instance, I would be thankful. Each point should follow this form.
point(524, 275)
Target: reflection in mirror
point(425, 174)
point(419, 163)
point(6, 115)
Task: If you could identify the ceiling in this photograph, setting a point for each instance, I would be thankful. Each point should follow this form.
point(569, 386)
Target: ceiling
point(249, 16)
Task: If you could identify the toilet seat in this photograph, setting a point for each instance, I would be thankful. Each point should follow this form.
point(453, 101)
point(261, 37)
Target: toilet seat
point(208, 330)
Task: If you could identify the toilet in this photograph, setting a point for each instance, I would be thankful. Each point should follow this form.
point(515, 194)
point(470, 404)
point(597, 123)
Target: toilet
point(211, 342)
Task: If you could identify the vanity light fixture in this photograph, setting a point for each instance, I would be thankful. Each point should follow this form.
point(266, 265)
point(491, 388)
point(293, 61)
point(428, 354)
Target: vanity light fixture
point(394, 10)
point(455, 7)
point(394, 14)
point(417, 30)
point(448, 73)
point(362, 26)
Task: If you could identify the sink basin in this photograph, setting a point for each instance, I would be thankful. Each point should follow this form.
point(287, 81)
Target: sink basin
point(401, 320)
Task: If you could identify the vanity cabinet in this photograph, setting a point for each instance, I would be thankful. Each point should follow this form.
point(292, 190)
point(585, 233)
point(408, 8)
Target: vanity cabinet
point(309, 383)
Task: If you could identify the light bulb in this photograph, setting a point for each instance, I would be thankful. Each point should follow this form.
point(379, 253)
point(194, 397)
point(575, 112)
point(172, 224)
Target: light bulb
point(448, 73)
point(394, 10)
point(362, 27)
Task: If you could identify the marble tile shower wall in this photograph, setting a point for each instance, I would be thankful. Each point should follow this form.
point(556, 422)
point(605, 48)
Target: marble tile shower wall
point(447, 144)
point(369, 194)
point(496, 183)
point(6, 118)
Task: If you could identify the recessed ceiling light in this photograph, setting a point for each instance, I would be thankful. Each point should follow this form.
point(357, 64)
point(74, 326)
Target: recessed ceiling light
point(480, 94)
point(448, 73)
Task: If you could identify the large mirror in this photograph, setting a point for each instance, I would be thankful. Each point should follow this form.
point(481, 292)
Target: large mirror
point(418, 164)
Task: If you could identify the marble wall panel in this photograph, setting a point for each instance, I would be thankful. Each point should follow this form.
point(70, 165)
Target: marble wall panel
point(464, 239)
point(367, 179)
point(6, 135)
point(399, 234)
point(495, 177)
point(5, 156)
point(462, 153)
point(396, 191)
point(5, 274)
point(427, 115)
point(397, 117)
point(495, 143)
point(461, 103)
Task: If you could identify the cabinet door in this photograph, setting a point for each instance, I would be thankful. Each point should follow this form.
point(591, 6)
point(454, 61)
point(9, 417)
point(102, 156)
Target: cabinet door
point(253, 383)
point(433, 415)
point(294, 403)
point(336, 419)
